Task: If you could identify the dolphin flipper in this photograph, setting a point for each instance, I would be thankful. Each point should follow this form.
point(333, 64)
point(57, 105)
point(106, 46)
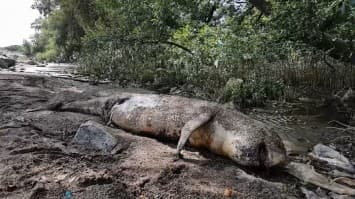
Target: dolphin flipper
point(190, 127)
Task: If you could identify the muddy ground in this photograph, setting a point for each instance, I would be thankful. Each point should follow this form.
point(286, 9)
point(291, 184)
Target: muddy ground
point(38, 159)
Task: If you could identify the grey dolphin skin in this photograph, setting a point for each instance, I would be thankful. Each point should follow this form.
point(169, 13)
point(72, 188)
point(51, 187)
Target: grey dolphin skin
point(203, 124)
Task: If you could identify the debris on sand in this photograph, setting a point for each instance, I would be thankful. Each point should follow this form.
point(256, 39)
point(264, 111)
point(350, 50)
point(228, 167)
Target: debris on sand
point(337, 174)
point(308, 174)
point(91, 177)
point(310, 194)
point(332, 157)
point(320, 194)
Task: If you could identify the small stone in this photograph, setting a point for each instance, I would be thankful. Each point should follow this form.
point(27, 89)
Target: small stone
point(95, 135)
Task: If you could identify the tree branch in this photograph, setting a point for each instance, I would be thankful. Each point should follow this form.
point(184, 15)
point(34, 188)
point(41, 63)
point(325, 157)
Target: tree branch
point(178, 45)
point(210, 14)
point(169, 43)
point(262, 5)
point(327, 63)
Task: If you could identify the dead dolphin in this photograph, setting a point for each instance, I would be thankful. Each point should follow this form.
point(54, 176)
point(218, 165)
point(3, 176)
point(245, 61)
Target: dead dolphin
point(205, 124)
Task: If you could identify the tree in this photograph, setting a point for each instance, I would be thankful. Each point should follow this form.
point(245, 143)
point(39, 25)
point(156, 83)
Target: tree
point(63, 27)
point(45, 7)
point(315, 23)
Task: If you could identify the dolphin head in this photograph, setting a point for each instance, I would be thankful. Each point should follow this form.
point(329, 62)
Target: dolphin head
point(258, 147)
point(272, 151)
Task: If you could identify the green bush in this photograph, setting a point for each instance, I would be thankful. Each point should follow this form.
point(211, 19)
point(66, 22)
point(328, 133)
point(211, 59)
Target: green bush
point(14, 48)
point(175, 45)
point(27, 48)
point(49, 54)
point(253, 92)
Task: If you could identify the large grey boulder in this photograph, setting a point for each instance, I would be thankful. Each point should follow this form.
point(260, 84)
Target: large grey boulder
point(6, 62)
point(95, 135)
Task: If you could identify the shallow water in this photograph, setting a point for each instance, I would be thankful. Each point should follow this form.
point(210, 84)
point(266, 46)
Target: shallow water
point(300, 130)
point(52, 69)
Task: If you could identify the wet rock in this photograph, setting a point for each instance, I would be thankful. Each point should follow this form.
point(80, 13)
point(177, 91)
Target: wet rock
point(6, 62)
point(95, 135)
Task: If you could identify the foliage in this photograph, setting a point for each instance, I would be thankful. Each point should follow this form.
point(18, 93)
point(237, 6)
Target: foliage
point(204, 47)
point(13, 48)
point(45, 7)
point(253, 93)
point(61, 31)
point(27, 48)
point(326, 25)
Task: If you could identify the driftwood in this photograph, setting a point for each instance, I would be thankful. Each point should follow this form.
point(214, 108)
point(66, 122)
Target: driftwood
point(343, 127)
point(332, 157)
point(307, 174)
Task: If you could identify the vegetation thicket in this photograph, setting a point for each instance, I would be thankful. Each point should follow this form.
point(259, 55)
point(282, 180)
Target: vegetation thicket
point(245, 51)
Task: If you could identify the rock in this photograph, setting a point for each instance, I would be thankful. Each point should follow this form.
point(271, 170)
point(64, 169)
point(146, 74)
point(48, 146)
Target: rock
point(31, 62)
point(41, 65)
point(6, 62)
point(95, 135)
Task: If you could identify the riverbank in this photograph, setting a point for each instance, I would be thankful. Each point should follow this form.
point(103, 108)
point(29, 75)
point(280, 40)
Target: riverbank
point(40, 160)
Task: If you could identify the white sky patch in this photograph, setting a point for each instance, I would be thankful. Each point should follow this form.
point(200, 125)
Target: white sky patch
point(16, 17)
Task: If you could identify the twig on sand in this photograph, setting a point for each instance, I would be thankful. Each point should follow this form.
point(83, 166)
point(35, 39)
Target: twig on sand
point(344, 127)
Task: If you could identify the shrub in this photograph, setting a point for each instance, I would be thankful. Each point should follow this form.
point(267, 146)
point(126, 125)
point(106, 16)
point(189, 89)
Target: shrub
point(27, 48)
point(252, 92)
